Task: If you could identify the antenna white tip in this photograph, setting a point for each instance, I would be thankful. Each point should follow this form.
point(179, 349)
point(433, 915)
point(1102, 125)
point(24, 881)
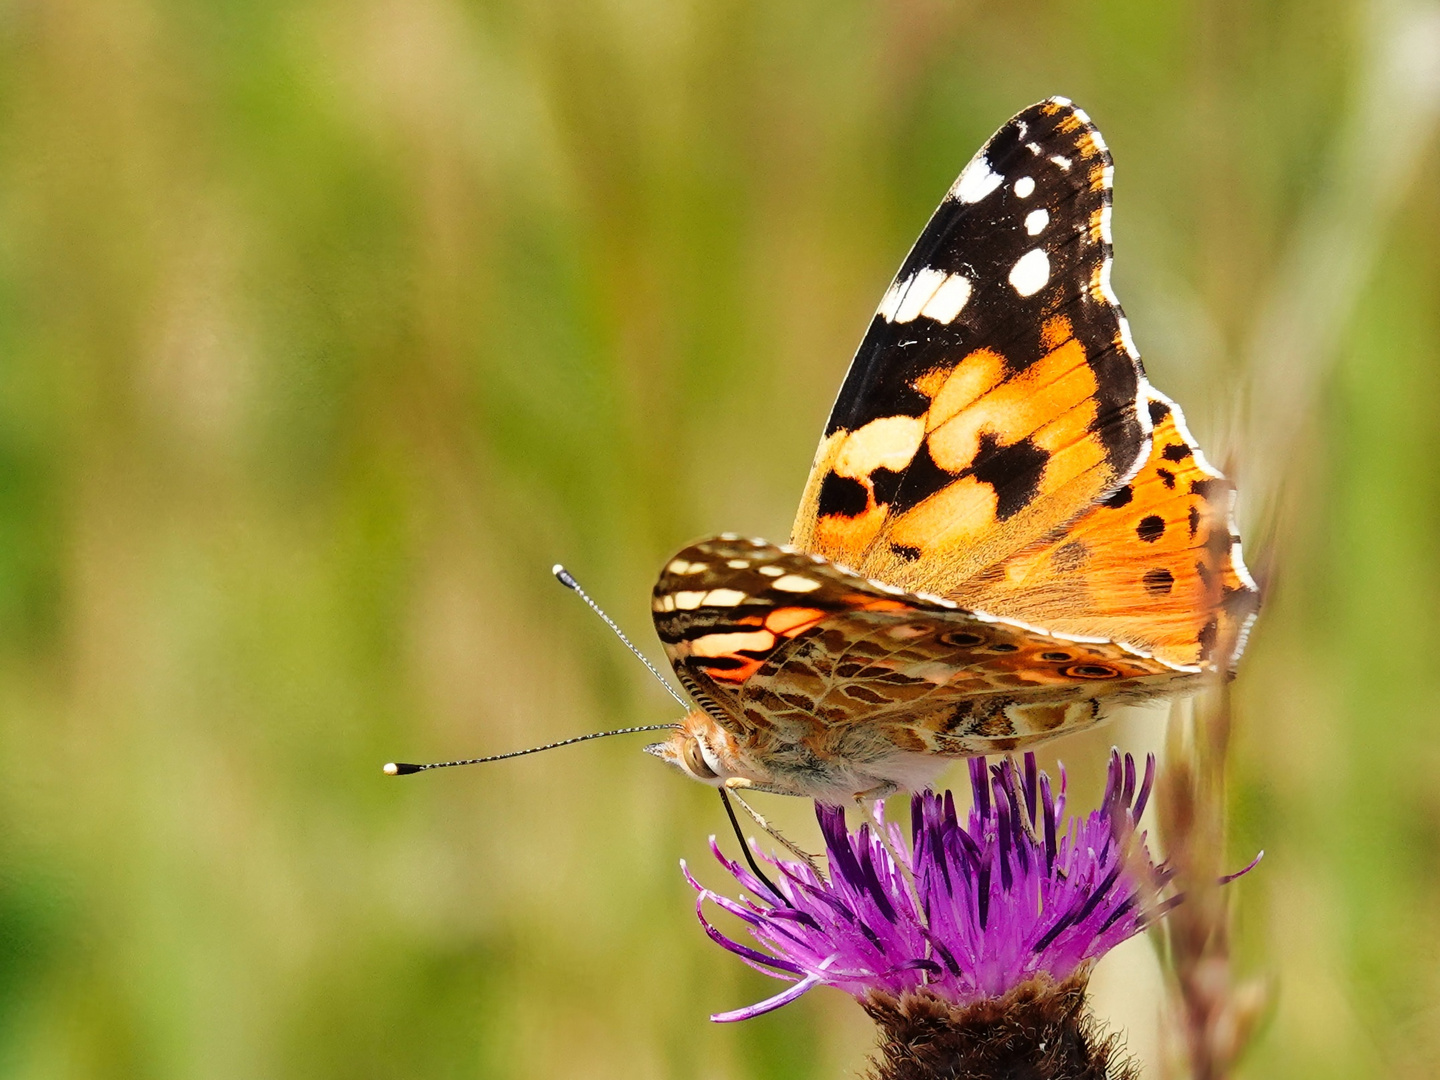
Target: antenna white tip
point(400, 768)
point(390, 769)
point(563, 576)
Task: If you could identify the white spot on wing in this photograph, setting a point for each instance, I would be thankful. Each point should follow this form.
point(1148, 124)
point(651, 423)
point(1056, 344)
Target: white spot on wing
point(1062, 161)
point(1036, 220)
point(949, 300)
point(977, 181)
point(724, 598)
point(796, 583)
point(1030, 272)
point(921, 288)
point(889, 442)
point(771, 571)
point(738, 564)
point(928, 292)
point(1105, 224)
point(1034, 148)
point(1025, 187)
point(688, 600)
point(680, 566)
point(727, 644)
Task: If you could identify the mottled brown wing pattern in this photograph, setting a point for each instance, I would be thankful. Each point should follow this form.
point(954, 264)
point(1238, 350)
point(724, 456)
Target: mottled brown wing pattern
point(995, 394)
point(776, 642)
point(1156, 563)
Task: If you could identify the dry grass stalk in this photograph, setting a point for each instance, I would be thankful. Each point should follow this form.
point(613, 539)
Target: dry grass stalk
point(1212, 1012)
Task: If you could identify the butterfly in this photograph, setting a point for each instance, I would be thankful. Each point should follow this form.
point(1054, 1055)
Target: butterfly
point(1006, 532)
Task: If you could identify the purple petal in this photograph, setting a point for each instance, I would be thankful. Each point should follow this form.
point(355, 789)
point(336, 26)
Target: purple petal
point(1032, 778)
point(744, 950)
point(1244, 869)
point(770, 1004)
point(979, 784)
point(1144, 796)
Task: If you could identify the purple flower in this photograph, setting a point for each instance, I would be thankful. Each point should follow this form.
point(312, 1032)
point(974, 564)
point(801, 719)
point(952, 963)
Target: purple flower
point(966, 911)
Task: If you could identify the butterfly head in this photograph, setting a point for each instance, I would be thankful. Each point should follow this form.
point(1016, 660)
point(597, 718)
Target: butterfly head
point(702, 750)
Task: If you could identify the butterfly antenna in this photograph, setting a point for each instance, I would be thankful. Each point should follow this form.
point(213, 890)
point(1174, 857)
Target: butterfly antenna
point(564, 577)
point(401, 768)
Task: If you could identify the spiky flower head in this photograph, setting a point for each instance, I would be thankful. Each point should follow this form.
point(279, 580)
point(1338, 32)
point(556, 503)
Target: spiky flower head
point(966, 910)
point(970, 941)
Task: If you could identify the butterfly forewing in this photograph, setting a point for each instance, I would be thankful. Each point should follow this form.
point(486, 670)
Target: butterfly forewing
point(995, 394)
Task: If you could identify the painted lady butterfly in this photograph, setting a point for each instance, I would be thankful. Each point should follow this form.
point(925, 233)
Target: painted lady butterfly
point(995, 463)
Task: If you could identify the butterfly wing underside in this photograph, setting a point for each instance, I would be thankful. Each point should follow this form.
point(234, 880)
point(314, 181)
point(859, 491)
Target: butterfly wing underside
point(769, 640)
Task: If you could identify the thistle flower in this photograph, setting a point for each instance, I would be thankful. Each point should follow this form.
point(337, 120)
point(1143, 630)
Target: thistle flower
point(976, 936)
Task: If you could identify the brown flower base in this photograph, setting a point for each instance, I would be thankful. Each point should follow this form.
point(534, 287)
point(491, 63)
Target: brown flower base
point(1041, 1030)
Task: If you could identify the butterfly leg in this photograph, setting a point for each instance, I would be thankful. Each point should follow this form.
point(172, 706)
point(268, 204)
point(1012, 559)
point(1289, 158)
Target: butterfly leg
point(879, 791)
point(779, 837)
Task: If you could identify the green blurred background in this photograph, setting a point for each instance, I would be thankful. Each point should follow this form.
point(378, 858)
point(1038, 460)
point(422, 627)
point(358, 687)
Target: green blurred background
point(325, 328)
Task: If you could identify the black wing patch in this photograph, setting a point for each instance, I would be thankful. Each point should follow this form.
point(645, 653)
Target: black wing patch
point(996, 393)
point(1041, 184)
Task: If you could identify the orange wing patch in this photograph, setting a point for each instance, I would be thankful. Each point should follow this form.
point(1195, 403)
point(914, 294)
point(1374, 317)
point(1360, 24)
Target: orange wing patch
point(1155, 564)
point(927, 510)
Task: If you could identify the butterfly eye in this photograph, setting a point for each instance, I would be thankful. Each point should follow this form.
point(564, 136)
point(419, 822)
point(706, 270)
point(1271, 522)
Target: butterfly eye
point(1090, 671)
point(695, 761)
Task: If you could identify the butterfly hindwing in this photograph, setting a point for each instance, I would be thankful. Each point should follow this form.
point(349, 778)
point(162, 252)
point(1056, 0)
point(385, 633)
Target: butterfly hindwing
point(994, 396)
point(1155, 563)
point(769, 638)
